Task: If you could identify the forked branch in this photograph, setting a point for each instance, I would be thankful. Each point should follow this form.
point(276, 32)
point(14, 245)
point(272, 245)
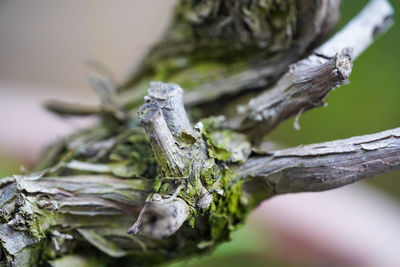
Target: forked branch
point(181, 162)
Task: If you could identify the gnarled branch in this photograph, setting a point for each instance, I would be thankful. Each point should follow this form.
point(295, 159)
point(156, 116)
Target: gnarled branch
point(207, 179)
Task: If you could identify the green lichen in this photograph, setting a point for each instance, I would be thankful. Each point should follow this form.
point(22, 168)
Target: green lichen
point(223, 144)
point(186, 140)
point(227, 211)
point(210, 172)
point(133, 158)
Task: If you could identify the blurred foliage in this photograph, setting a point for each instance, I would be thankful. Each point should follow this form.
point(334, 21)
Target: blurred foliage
point(8, 166)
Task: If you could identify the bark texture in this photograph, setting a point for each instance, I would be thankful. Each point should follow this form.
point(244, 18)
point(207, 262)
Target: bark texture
point(325, 166)
point(145, 185)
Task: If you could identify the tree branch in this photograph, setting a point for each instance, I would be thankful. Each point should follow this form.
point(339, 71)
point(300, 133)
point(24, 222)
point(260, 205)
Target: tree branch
point(374, 20)
point(181, 154)
point(170, 98)
point(308, 82)
point(324, 166)
point(304, 87)
point(168, 155)
point(230, 47)
point(205, 177)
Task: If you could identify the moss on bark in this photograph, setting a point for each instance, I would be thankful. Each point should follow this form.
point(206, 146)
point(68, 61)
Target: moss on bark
point(91, 186)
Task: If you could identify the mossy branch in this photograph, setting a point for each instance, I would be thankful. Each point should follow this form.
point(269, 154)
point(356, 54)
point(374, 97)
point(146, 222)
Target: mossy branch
point(188, 187)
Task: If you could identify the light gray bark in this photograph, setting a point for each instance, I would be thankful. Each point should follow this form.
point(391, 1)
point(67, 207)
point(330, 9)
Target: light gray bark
point(324, 166)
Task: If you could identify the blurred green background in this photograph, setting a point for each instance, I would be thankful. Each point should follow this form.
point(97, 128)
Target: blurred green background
point(370, 103)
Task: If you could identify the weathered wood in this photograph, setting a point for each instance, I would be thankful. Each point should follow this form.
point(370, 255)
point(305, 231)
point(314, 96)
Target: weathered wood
point(171, 159)
point(324, 166)
point(220, 48)
point(308, 82)
point(180, 153)
point(170, 98)
point(305, 86)
point(189, 187)
point(161, 218)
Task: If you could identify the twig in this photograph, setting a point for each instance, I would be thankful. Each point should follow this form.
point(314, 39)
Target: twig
point(361, 31)
point(304, 87)
point(166, 152)
point(71, 109)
